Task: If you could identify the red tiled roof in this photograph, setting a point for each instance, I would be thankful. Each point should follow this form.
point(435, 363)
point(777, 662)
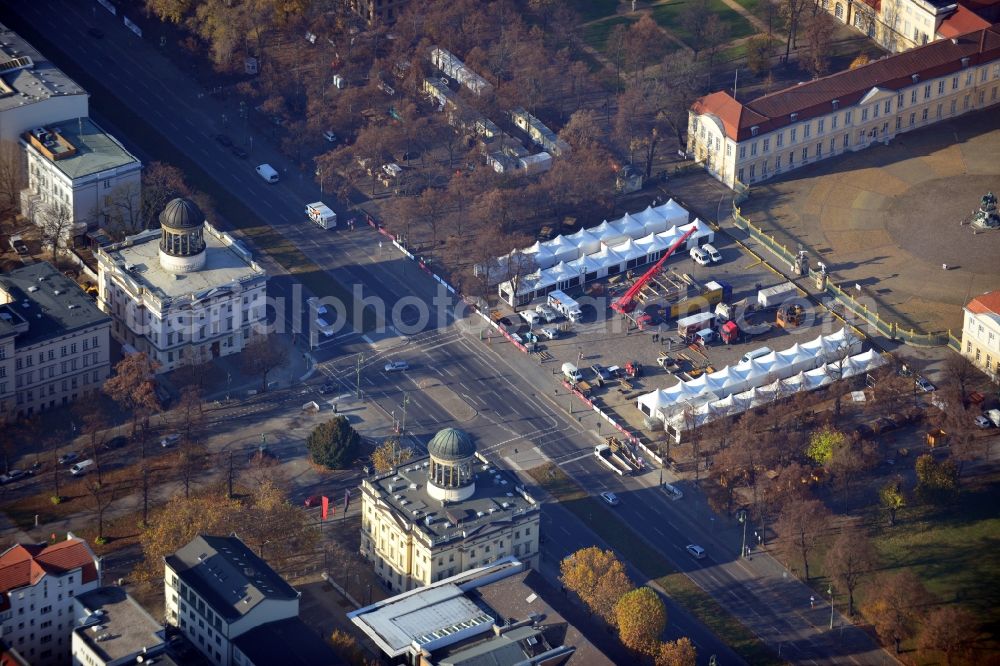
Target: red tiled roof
point(814, 98)
point(961, 22)
point(22, 565)
point(989, 302)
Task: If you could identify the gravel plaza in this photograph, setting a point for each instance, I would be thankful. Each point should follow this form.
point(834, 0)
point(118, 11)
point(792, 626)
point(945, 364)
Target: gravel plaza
point(893, 220)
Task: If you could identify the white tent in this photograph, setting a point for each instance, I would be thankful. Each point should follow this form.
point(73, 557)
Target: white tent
point(673, 213)
point(540, 254)
point(629, 226)
point(607, 258)
point(652, 244)
point(652, 222)
point(585, 240)
point(560, 274)
point(562, 249)
point(629, 250)
point(587, 263)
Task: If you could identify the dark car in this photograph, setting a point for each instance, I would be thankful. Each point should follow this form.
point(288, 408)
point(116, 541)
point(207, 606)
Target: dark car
point(68, 457)
point(96, 33)
point(13, 475)
point(601, 373)
point(327, 388)
point(116, 443)
point(239, 152)
point(224, 140)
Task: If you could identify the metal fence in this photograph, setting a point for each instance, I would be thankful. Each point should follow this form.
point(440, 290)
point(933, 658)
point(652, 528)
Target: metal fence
point(887, 328)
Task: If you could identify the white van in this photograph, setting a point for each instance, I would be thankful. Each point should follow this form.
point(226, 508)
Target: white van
point(700, 257)
point(531, 317)
point(756, 353)
point(712, 253)
point(81, 467)
point(571, 372)
point(267, 172)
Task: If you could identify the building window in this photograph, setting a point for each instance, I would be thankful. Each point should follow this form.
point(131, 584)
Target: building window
point(777, 163)
point(954, 106)
point(838, 11)
point(833, 122)
point(753, 149)
point(739, 176)
point(923, 115)
point(847, 117)
point(743, 152)
point(767, 145)
point(965, 103)
point(874, 111)
point(794, 132)
point(805, 153)
point(819, 150)
point(780, 140)
point(941, 87)
point(805, 130)
point(913, 119)
point(819, 125)
point(888, 105)
point(899, 122)
point(753, 168)
point(791, 158)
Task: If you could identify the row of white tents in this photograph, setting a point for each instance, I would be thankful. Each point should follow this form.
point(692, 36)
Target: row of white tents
point(748, 384)
point(591, 254)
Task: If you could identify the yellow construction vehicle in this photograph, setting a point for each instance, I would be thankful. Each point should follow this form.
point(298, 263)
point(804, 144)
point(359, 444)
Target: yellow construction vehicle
point(790, 316)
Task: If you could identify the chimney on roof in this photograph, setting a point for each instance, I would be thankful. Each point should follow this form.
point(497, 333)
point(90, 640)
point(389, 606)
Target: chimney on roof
point(954, 40)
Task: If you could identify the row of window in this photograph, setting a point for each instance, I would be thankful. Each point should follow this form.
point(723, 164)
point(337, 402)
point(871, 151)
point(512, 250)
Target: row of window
point(28, 378)
point(65, 350)
point(28, 396)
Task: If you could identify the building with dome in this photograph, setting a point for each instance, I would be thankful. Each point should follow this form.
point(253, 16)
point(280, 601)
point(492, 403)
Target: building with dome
point(445, 513)
point(184, 293)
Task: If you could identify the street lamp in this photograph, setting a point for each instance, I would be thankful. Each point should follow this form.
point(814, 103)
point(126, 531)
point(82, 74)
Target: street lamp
point(358, 376)
point(402, 429)
point(742, 516)
point(829, 590)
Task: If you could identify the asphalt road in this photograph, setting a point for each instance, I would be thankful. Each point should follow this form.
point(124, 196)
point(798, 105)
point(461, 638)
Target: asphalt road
point(508, 415)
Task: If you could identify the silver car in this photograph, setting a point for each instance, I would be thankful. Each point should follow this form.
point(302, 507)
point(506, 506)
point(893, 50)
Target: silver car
point(396, 366)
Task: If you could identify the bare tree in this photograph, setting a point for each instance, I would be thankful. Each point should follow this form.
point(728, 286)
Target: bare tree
point(133, 386)
point(791, 11)
point(101, 495)
point(262, 355)
point(960, 373)
point(850, 558)
point(800, 525)
point(12, 174)
point(57, 226)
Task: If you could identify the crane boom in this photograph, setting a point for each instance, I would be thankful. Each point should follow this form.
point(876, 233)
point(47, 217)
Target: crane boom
point(627, 302)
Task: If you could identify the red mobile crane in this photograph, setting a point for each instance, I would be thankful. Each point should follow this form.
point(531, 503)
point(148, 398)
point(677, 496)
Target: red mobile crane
point(626, 303)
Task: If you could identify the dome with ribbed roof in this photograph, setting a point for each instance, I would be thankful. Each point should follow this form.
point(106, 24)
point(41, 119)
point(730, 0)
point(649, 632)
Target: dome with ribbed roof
point(182, 213)
point(451, 445)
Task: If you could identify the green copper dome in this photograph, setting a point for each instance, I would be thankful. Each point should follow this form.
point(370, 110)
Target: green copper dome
point(450, 445)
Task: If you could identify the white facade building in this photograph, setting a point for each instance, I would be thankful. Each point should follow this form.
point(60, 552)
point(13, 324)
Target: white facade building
point(981, 333)
point(112, 629)
point(847, 111)
point(185, 293)
point(39, 584)
point(33, 92)
point(899, 25)
point(216, 589)
point(444, 514)
point(77, 170)
point(54, 341)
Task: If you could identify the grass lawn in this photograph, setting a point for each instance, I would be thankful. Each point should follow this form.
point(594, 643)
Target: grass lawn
point(631, 547)
point(591, 10)
point(668, 16)
point(596, 34)
point(953, 550)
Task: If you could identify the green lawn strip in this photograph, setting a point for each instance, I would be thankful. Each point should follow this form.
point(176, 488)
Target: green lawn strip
point(235, 210)
point(953, 550)
point(596, 34)
point(591, 10)
point(652, 564)
point(668, 16)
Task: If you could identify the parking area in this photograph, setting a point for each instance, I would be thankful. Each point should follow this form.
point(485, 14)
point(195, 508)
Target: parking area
point(606, 339)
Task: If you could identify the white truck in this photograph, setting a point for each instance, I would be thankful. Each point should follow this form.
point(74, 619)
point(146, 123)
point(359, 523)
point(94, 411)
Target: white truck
point(775, 295)
point(565, 306)
point(612, 460)
point(994, 416)
point(321, 214)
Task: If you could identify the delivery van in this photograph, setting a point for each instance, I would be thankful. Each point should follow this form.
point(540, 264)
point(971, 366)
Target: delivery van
point(81, 467)
point(571, 372)
point(267, 172)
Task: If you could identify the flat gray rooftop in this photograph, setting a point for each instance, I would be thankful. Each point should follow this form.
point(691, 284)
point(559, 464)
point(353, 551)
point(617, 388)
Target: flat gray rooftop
point(222, 267)
point(124, 628)
point(495, 500)
point(35, 83)
point(96, 150)
point(50, 302)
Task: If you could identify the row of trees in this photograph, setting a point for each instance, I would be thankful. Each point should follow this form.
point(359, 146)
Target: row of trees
point(599, 579)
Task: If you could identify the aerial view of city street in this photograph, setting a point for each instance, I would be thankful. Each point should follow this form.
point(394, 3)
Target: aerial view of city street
point(499, 332)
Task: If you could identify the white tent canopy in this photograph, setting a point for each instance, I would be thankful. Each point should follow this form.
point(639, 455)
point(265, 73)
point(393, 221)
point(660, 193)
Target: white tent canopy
point(540, 254)
point(652, 221)
point(673, 212)
point(629, 250)
point(586, 241)
point(562, 249)
point(734, 389)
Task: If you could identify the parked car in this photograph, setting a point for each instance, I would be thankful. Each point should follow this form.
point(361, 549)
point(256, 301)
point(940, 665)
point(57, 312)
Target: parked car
point(925, 385)
point(601, 373)
point(327, 388)
point(712, 253)
point(672, 491)
point(68, 457)
point(983, 422)
point(224, 140)
point(116, 443)
point(611, 499)
point(531, 317)
point(396, 366)
point(239, 152)
point(701, 258)
point(549, 332)
point(170, 440)
point(696, 551)
point(13, 475)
